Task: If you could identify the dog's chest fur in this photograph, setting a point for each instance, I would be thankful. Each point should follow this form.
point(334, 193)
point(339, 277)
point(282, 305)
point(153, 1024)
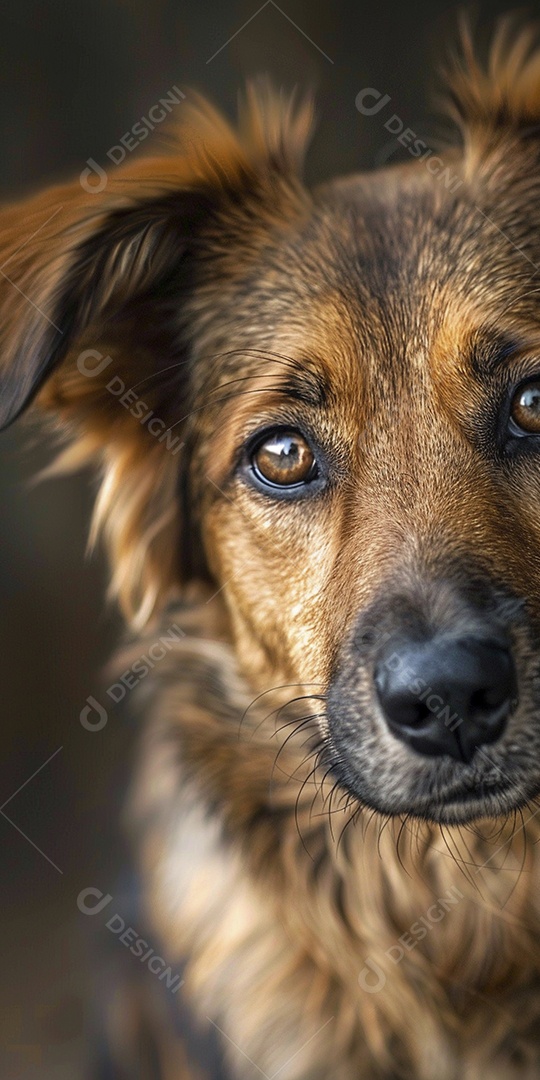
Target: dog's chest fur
point(379, 951)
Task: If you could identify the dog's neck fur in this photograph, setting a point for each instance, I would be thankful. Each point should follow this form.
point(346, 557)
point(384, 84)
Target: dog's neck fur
point(226, 863)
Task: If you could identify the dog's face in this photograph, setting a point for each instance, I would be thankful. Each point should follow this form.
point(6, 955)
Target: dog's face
point(355, 375)
point(373, 503)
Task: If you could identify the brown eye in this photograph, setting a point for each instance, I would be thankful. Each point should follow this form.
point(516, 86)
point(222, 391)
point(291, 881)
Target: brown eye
point(525, 410)
point(284, 459)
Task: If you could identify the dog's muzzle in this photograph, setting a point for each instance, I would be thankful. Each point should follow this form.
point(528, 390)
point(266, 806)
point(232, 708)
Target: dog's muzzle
point(433, 705)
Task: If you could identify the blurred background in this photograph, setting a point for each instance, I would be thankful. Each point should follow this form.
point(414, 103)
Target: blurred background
point(75, 77)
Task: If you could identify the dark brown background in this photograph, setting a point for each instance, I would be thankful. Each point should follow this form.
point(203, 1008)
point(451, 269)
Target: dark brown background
point(75, 77)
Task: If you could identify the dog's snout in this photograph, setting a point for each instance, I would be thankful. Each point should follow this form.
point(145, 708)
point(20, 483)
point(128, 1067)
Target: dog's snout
point(447, 696)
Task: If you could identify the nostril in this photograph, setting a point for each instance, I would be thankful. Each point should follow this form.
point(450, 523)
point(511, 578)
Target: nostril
point(487, 699)
point(421, 715)
point(407, 710)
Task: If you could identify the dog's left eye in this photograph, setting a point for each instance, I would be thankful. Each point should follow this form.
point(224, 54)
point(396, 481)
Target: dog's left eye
point(284, 460)
point(525, 407)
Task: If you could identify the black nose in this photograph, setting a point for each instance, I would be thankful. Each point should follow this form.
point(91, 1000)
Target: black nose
point(447, 696)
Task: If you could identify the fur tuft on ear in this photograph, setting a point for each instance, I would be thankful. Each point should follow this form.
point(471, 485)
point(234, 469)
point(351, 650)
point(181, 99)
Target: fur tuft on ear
point(502, 95)
point(276, 127)
point(273, 133)
point(94, 295)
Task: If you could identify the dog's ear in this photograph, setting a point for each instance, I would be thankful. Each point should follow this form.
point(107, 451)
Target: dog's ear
point(495, 100)
point(92, 287)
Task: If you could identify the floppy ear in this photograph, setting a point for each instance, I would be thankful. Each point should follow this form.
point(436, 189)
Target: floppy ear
point(92, 287)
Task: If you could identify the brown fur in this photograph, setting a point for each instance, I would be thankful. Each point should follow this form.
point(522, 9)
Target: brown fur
point(387, 316)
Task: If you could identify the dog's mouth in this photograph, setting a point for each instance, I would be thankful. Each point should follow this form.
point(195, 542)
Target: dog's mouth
point(432, 707)
point(386, 772)
point(467, 792)
point(443, 792)
point(483, 792)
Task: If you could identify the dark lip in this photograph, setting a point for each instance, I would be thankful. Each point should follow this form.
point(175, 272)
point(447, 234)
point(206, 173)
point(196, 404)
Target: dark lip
point(473, 793)
point(461, 805)
point(433, 807)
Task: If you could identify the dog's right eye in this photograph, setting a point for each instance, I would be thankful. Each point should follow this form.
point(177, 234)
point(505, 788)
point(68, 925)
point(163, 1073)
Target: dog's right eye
point(284, 460)
point(525, 407)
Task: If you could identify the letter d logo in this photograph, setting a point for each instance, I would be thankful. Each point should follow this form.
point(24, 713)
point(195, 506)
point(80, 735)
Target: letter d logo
point(369, 92)
point(94, 170)
point(92, 909)
point(367, 972)
point(97, 712)
point(93, 369)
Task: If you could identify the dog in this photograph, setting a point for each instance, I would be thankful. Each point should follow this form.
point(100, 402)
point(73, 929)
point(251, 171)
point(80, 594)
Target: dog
point(315, 415)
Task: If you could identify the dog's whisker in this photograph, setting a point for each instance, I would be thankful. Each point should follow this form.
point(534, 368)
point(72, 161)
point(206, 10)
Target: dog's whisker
point(276, 358)
point(293, 701)
point(275, 689)
point(306, 722)
point(402, 831)
point(523, 834)
point(292, 775)
point(470, 861)
point(383, 825)
point(275, 712)
point(220, 401)
point(297, 806)
point(461, 864)
point(350, 821)
point(373, 815)
point(327, 809)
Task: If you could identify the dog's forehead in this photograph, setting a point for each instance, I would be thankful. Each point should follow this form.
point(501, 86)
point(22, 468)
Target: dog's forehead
point(405, 248)
point(392, 272)
point(399, 235)
point(388, 289)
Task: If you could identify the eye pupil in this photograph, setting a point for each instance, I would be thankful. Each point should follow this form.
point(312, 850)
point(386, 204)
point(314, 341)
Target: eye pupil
point(284, 459)
point(525, 409)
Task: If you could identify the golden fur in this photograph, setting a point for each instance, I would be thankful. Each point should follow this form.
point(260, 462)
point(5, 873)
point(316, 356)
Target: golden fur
point(230, 297)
